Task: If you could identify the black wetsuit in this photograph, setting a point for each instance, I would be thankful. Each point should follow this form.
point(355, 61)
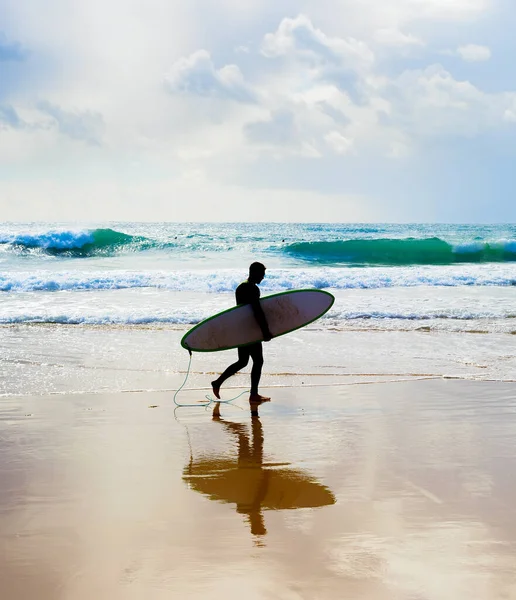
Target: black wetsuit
point(248, 293)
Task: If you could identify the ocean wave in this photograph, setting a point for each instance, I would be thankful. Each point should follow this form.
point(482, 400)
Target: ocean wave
point(403, 251)
point(71, 319)
point(431, 315)
point(367, 249)
point(225, 281)
point(192, 316)
point(74, 243)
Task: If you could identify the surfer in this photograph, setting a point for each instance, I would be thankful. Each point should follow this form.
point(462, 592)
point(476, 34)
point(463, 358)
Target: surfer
point(248, 293)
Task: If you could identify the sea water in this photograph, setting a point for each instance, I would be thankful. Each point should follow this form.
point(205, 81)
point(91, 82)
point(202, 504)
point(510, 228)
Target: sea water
point(396, 281)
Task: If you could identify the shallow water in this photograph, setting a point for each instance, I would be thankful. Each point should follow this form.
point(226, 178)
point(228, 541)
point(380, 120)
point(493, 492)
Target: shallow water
point(45, 359)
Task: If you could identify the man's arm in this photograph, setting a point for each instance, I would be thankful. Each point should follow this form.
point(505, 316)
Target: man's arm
point(262, 321)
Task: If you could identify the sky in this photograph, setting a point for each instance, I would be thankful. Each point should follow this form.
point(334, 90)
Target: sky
point(258, 110)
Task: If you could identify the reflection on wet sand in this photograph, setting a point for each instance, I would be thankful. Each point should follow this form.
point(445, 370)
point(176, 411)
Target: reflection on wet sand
point(249, 482)
point(93, 501)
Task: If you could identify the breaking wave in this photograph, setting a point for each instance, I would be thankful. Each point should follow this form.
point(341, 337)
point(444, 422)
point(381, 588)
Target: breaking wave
point(225, 281)
point(405, 251)
point(75, 243)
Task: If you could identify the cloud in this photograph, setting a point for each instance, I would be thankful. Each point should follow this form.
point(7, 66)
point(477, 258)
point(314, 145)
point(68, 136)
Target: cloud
point(327, 95)
point(309, 56)
point(362, 19)
point(11, 51)
point(343, 102)
point(282, 135)
point(300, 38)
point(396, 39)
point(10, 118)
point(445, 9)
point(197, 76)
point(401, 12)
point(335, 113)
point(474, 53)
point(346, 105)
point(87, 126)
point(339, 143)
point(279, 129)
point(431, 102)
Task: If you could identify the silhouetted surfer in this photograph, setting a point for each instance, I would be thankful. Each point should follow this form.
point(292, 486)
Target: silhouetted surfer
point(248, 293)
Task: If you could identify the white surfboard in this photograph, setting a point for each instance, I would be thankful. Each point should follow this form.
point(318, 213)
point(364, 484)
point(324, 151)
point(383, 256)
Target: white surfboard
point(237, 326)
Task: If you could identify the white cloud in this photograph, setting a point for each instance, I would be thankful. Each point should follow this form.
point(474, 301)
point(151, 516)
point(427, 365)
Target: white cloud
point(281, 134)
point(431, 102)
point(279, 129)
point(363, 18)
point(364, 111)
point(9, 118)
point(474, 53)
point(87, 126)
point(299, 37)
point(398, 149)
point(339, 143)
point(395, 38)
point(443, 9)
point(196, 75)
point(45, 118)
point(446, 9)
point(510, 115)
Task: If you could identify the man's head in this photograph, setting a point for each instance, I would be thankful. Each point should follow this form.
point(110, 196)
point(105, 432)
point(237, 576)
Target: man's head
point(256, 272)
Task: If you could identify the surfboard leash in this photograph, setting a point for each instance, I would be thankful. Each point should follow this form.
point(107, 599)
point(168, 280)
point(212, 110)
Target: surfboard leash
point(209, 399)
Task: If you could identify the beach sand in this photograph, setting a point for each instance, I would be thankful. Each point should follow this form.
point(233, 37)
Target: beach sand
point(401, 490)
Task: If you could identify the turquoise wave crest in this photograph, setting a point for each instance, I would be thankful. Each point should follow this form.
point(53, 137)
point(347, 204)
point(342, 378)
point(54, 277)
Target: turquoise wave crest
point(103, 241)
point(405, 251)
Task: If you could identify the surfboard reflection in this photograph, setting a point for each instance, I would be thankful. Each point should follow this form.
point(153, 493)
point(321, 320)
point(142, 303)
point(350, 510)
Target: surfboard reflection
point(249, 483)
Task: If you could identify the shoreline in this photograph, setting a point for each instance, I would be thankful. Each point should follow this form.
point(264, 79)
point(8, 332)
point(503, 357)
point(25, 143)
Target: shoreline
point(376, 382)
point(49, 359)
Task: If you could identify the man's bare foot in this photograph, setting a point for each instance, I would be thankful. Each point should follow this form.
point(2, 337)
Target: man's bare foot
point(258, 399)
point(216, 390)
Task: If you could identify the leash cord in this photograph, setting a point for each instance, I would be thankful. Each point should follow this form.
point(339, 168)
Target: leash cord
point(209, 399)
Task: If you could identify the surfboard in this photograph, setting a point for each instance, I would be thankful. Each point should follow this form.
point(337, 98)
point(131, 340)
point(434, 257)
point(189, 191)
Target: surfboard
point(285, 312)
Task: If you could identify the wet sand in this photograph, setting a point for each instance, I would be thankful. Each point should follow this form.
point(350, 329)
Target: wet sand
point(384, 491)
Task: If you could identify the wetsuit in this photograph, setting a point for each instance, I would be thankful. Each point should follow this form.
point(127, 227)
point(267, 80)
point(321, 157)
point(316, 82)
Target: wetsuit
point(248, 293)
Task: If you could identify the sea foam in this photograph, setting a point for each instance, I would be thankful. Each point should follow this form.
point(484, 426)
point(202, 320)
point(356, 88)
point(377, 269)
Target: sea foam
point(277, 280)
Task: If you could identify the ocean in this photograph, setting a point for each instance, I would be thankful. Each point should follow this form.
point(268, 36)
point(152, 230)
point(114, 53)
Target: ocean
point(81, 302)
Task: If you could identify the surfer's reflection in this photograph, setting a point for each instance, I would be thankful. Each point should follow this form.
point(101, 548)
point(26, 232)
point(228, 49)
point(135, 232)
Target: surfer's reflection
point(251, 484)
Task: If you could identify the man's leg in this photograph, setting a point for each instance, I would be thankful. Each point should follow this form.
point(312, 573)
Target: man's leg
point(243, 359)
point(256, 353)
